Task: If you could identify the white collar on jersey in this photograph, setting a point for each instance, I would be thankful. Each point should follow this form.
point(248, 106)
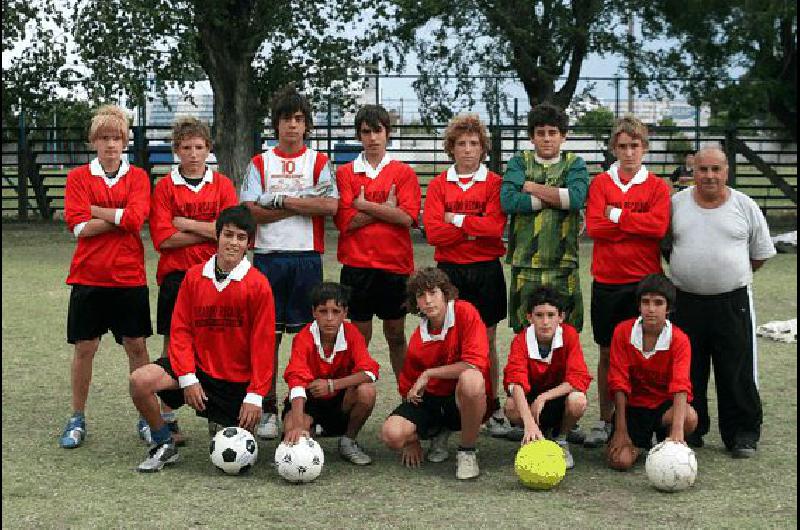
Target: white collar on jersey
point(533, 344)
point(238, 272)
point(547, 161)
point(178, 180)
point(449, 322)
point(360, 165)
point(638, 178)
point(662, 343)
point(97, 170)
point(479, 176)
point(339, 345)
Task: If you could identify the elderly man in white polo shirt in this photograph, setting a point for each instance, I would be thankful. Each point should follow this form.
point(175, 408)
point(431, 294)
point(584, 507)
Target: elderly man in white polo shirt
point(719, 238)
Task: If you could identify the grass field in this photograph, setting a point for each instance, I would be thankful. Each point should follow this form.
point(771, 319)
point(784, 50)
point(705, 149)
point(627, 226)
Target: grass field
point(96, 486)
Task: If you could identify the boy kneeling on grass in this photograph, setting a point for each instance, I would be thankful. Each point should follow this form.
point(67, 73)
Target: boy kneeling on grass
point(546, 376)
point(648, 376)
point(330, 360)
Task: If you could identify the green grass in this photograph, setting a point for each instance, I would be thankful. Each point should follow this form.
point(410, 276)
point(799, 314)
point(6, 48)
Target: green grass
point(96, 486)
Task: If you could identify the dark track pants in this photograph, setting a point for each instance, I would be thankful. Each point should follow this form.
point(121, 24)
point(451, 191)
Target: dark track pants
point(721, 330)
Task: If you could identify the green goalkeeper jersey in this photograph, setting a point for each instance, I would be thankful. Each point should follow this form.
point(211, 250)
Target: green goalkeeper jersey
point(544, 238)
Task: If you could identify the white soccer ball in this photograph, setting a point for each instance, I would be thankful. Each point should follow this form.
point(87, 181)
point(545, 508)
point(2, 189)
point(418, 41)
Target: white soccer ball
point(233, 450)
point(301, 462)
point(671, 466)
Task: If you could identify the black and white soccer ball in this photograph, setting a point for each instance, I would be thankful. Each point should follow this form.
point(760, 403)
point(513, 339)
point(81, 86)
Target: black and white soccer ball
point(671, 466)
point(233, 450)
point(301, 462)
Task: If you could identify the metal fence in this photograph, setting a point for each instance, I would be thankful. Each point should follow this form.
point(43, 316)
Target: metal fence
point(35, 161)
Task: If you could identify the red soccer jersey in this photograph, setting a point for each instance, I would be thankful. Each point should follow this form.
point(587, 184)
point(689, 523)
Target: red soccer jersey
point(527, 368)
point(462, 338)
point(114, 258)
point(627, 251)
point(173, 197)
point(378, 245)
point(479, 238)
point(226, 329)
point(649, 381)
point(309, 361)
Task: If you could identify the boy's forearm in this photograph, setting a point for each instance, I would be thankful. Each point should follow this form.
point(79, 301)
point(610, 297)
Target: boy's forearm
point(521, 402)
point(620, 404)
point(351, 380)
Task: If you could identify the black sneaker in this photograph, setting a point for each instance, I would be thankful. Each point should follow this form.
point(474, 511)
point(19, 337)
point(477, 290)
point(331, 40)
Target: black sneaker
point(743, 450)
point(695, 440)
point(576, 435)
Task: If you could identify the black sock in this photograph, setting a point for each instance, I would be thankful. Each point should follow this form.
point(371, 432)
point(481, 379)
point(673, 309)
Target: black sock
point(466, 449)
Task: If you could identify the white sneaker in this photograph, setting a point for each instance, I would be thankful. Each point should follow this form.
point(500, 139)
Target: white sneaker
point(268, 426)
point(350, 451)
point(467, 465)
point(598, 435)
point(498, 425)
point(159, 456)
point(567, 455)
point(437, 452)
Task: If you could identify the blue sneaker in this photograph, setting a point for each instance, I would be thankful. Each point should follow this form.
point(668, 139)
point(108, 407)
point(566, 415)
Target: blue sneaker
point(74, 433)
point(144, 431)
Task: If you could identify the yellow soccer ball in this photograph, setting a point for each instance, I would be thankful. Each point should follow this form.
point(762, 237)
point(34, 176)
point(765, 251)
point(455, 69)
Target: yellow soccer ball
point(540, 465)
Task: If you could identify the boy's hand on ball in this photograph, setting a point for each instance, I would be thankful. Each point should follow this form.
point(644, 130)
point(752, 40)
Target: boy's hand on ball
point(249, 415)
point(532, 434)
point(194, 396)
point(293, 436)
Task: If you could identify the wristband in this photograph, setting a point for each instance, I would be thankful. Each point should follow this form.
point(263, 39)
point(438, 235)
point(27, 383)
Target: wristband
point(330, 386)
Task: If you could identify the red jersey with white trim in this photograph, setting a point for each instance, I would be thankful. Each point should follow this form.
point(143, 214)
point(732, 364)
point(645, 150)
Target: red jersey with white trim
point(290, 175)
point(229, 334)
point(565, 363)
point(627, 251)
point(649, 382)
point(172, 197)
point(479, 238)
point(378, 245)
point(465, 340)
point(307, 364)
point(114, 258)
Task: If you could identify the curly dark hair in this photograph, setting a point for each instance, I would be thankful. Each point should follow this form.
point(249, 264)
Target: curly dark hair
point(656, 284)
point(428, 279)
point(286, 102)
point(547, 114)
point(545, 295)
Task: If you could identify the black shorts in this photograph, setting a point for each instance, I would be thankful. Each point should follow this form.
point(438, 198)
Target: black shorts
point(224, 397)
point(552, 413)
point(291, 275)
point(167, 295)
point(374, 292)
point(611, 304)
point(125, 311)
point(483, 285)
point(432, 415)
point(327, 413)
point(643, 422)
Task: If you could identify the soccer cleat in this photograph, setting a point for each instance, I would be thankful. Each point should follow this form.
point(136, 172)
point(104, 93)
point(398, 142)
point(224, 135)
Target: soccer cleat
point(743, 450)
point(498, 425)
point(598, 436)
point(268, 426)
point(144, 431)
point(564, 445)
point(695, 440)
point(74, 433)
point(177, 435)
point(159, 456)
point(437, 452)
point(515, 433)
point(350, 451)
point(467, 465)
point(576, 435)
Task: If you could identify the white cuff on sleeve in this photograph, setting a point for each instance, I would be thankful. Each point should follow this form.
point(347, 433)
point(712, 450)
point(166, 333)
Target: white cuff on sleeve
point(371, 375)
point(253, 399)
point(614, 215)
point(563, 197)
point(536, 203)
point(79, 228)
point(510, 388)
point(187, 380)
point(297, 391)
point(458, 219)
point(118, 216)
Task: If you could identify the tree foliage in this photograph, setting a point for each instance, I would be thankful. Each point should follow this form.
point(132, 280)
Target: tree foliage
point(597, 122)
point(738, 55)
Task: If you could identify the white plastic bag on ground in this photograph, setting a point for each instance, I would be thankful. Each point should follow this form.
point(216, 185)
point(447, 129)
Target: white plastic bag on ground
point(780, 330)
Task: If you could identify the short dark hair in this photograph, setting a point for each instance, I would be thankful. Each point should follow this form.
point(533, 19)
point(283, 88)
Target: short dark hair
point(322, 292)
point(656, 284)
point(238, 216)
point(286, 102)
point(428, 279)
point(375, 116)
point(547, 114)
point(545, 295)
